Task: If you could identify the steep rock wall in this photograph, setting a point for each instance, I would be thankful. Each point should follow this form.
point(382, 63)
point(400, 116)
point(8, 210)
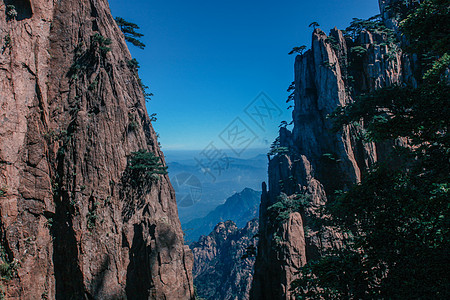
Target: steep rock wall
point(220, 269)
point(320, 161)
point(72, 111)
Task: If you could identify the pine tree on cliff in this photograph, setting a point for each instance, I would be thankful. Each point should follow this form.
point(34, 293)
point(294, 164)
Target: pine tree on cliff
point(314, 25)
point(399, 215)
point(298, 50)
point(129, 31)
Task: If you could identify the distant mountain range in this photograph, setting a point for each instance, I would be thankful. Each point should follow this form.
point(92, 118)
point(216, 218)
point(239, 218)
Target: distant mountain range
point(239, 208)
point(199, 193)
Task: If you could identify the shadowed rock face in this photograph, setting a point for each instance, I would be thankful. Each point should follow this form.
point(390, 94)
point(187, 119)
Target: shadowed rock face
point(68, 215)
point(220, 270)
point(320, 161)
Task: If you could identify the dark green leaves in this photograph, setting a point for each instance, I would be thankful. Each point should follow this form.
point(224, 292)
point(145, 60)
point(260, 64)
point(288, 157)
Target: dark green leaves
point(298, 50)
point(129, 31)
point(428, 27)
point(101, 42)
point(144, 166)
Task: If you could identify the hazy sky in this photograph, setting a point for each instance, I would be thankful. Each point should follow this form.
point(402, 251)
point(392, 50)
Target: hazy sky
point(207, 61)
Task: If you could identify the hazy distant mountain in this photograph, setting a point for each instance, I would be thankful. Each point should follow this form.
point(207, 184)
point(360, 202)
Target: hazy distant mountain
point(198, 193)
point(239, 208)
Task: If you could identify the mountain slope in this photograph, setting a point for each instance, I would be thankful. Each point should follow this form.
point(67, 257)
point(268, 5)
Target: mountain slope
point(240, 173)
point(239, 208)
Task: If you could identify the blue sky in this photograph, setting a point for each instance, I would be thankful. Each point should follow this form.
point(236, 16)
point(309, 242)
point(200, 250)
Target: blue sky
point(206, 61)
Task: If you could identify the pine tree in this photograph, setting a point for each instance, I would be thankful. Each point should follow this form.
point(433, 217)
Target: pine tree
point(129, 31)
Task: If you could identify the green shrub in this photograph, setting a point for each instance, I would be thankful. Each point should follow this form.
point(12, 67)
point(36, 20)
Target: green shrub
point(11, 12)
point(276, 148)
point(143, 165)
point(359, 51)
point(93, 85)
point(3, 191)
point(148, 96)
point(328, 65)
point(133, 64)
point(102, 42)
point(333, 42)
point(8, 269)
point(280, 211)
point(92, 215)
point(331, 156)
point(133, 124)
point(7, 43)
point(91, 218)
point(49, 223)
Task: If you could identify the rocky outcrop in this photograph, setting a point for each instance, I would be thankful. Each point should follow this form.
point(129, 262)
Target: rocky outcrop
point(239, 208)
point(223, 266)
point(281, 252)
point(319, 161)
point(72, 112)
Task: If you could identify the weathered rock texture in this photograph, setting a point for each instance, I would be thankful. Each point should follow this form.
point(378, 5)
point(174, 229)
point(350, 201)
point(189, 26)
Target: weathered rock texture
point(71, 113)
point(220, 271)
point(319, 161)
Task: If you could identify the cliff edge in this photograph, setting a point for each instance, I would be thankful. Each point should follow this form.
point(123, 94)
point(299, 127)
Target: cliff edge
point(313, 161)
point(73, 224)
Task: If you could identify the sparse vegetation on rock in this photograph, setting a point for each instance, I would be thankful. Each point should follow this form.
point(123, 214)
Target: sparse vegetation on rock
point(144, 165)
point(102, 42)
point(298, 50)
point(281, 210)
point(11, 12)
point(129, 31)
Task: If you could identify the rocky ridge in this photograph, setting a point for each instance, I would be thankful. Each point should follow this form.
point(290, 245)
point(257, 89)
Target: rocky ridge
point(239, 208)
point(220, 270)
point(332, 73)
point(72, 113)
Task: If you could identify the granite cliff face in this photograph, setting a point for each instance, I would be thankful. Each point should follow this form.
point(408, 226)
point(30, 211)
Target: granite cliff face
point(72, 112)
point(220, 270)
point(318, 162)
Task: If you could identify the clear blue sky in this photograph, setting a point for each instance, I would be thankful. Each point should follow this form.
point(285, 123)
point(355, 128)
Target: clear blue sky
point(206, 61)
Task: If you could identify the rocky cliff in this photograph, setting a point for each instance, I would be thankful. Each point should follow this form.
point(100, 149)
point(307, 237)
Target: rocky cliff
point(73, 226)
point(315, 161)
point(223, 265)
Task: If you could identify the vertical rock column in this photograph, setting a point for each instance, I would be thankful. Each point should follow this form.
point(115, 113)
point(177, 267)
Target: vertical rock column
point(320, 161)
point(72, 113)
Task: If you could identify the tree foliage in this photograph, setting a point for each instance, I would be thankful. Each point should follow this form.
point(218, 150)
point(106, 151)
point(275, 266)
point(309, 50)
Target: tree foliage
point(129, 31)
point(280, 211)
point(144, 166)
point(314, 25)
point(399, 215)
point(298, 50)
point(11, 12)
point(102, 43)
point(276, 148)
